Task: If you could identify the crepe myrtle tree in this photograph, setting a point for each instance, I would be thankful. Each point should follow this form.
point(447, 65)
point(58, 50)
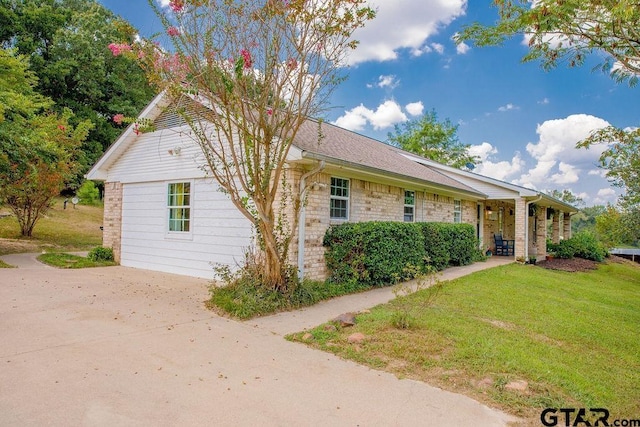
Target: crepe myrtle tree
point(260, 68)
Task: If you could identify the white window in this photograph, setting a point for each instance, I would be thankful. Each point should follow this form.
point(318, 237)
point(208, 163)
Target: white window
point(179, 207)
point(457, 211)
point(339, 207)
point(409, 206)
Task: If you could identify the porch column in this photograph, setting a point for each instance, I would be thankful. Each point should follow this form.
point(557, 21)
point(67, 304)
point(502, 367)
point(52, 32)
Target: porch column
point(112, 221)
point(556, 227)
point(521, 227)
point(541, 232)
point(566, 227)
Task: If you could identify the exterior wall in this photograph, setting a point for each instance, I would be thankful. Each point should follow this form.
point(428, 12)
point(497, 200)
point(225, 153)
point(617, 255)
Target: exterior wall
point(219, 233)
point(369, 201)
point(112, 222)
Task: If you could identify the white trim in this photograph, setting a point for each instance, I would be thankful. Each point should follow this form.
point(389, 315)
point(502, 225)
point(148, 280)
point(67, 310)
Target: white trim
point(348, 199)
point(413, 206)
point(179, 235)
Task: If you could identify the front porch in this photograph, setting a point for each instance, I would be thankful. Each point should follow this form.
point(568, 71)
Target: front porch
point(526, 221)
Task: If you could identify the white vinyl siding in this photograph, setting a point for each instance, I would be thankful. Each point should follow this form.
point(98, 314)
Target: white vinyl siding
point(219, 233)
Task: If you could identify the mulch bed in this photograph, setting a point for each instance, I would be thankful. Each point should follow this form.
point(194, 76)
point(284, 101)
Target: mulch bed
point(572, 265)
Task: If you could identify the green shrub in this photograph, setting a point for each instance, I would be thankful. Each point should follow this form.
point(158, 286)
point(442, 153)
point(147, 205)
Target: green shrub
point(373, 253)
point(100, 253)
point(88, 194)
point(437, 244)
point(464, 243)
point(582, 245)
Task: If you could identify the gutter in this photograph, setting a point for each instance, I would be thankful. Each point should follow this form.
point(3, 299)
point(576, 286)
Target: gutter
point(302, 217)
point(397, 176)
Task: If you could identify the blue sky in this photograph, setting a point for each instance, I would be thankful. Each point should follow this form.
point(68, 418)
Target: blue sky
point(521, 120)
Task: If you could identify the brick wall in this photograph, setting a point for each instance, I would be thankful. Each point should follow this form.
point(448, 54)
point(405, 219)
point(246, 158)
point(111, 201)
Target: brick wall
point(368, 201)
point(112, 224)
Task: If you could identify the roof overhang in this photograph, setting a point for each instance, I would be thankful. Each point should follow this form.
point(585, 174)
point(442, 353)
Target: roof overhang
point(377, 175)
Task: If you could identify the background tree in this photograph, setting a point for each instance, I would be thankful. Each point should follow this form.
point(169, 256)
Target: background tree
point(38, 148)
point(66, 43)
point(567, 196)
point(261, 68)
point(433, 140)
point(568, 31)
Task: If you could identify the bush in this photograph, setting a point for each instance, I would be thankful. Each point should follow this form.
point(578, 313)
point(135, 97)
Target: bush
point(100, 253)
point(373, 253)
point(88, 194)
point(582, 245)
point(381, 253)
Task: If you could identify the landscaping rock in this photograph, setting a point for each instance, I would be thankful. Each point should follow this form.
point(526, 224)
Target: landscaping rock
point(307, 337)
point(519, 385)
point(357, 338)
point(346, 319)
point(330, 328)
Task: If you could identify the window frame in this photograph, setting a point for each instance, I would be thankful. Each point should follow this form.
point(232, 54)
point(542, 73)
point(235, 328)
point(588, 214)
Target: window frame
point(340, 198)
point(412, 206)
point(179, 234)
point(457, 211)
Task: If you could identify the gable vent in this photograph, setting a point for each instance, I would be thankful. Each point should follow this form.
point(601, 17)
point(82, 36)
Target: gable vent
point(168, 119)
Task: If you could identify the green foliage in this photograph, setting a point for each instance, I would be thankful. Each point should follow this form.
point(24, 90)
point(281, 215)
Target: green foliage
point(88, 194)
point(433, 140)
point(66, 42)
point(100, 253)
point(381, 253)
point(568, 31)
point(373, 253)
point(244, 296)
point(64, 260)
point(582, 245)
point(567, 196)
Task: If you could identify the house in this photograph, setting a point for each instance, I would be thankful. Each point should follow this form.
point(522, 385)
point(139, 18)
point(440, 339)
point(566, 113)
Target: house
point(163, 213)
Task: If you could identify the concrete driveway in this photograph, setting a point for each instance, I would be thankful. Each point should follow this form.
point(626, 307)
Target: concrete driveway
point(118, 346)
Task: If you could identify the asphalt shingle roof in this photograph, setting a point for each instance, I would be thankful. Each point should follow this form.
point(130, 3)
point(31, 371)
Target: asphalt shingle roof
point(347, 146)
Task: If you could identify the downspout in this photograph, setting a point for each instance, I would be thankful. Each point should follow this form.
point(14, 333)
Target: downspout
point(302, 218)
point(526, 228)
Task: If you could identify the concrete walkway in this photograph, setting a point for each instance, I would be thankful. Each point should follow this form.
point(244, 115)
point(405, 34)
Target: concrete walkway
point(118, 346)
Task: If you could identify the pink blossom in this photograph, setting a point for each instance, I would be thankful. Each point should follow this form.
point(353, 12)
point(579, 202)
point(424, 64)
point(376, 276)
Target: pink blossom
point(246, 56)
point(118, 119)
point(117, 49)
point(176, 5)
point(61, 127)
point(292, 64)
point(269, 111)
point(136, 129)
point(173, 31)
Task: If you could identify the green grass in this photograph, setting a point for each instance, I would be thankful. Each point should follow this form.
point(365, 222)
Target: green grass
point(574, 337)
point(63, 260)
point(5, 265)
point(61, 230)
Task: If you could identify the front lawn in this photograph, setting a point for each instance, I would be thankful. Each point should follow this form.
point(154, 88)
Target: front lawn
point(564, 339)
point(64, 260)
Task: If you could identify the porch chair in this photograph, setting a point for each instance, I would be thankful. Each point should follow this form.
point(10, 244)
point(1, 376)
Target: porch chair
point(504, 247)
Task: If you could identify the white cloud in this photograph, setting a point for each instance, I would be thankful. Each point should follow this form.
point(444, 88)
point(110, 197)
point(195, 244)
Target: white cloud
point(385, 116)
point(606, 192)
point(163, 3)
point(544, 101)
point(605, 196)
point(438, 48)
point(420, 20)
point(414, 108)
point(598, 172)
point(501, 170)
point(557, 159)
point(389, 81)
point(462, 48)
point(508, 107)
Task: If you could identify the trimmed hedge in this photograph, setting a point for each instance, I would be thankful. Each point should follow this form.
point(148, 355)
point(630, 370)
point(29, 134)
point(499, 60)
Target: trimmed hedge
point(381, 253)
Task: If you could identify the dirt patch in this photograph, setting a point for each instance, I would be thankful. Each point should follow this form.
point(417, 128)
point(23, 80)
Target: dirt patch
point(572, 265)
point(14, 246)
